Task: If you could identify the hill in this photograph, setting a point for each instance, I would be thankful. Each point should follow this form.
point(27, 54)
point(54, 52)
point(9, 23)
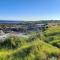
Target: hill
point(42, 46)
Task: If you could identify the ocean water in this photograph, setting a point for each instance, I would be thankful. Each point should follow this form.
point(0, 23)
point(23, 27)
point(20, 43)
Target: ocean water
point(9, 22)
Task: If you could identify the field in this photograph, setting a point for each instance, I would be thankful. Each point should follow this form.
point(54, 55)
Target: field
point(41, 46)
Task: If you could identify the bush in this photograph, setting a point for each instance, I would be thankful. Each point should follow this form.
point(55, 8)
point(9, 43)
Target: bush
point(13, 42)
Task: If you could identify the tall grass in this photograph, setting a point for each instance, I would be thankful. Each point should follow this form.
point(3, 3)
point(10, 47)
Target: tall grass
point(32, 48)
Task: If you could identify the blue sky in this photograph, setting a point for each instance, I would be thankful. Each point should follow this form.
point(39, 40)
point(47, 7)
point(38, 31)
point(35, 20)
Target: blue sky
point(29, 9)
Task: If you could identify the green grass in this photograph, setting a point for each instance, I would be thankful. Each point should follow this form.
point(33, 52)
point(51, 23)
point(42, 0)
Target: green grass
point(53, 30)
point(52, 35)
point(32, 48)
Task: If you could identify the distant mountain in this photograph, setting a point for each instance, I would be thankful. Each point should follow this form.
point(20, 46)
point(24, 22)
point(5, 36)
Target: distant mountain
point(9, 22)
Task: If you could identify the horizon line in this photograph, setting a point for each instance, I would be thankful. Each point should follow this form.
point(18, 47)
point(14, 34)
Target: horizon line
point(27, 20)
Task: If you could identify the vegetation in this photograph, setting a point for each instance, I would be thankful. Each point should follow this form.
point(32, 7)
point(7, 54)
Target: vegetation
point(40, 46)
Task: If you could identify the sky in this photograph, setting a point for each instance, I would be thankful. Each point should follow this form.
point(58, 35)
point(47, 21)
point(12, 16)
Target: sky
point(29, 10)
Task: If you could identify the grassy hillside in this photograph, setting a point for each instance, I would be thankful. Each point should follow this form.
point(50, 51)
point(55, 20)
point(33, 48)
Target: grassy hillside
point(44, 46)
point(52, 35)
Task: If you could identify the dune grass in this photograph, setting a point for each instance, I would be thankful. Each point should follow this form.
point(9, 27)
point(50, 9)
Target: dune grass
point(32, 48)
